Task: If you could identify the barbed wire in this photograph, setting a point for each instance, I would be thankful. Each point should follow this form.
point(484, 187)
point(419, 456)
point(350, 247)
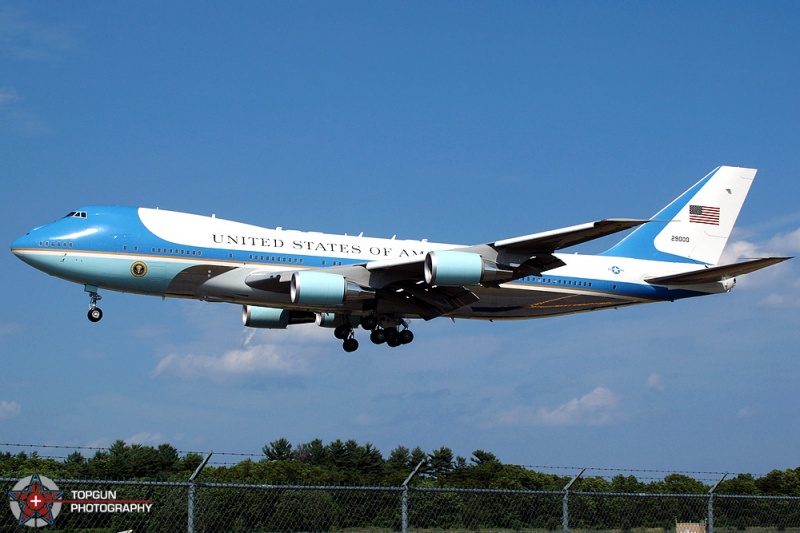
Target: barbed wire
point(662, 473)
point(612, 472)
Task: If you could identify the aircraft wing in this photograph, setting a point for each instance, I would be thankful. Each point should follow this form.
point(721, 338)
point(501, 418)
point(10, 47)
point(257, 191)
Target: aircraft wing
point(550, 241)
point(536, 247)
point(400, 281)
point(717, 273)
point(515, 258)
point(533, 254)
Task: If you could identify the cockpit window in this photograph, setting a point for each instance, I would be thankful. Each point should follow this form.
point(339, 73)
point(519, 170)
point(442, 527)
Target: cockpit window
point(76, 214)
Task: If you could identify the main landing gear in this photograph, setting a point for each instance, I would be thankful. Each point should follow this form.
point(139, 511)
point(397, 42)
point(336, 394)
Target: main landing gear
point(95, 313)
point(392, 335)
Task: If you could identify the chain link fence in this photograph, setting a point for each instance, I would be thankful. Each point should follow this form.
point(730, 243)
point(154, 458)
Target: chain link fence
point(111, 506)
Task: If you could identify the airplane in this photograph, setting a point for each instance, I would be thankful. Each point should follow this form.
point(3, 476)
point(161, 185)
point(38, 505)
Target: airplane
point(284, 277)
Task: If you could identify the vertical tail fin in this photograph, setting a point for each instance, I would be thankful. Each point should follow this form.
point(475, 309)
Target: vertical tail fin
point(695, 227)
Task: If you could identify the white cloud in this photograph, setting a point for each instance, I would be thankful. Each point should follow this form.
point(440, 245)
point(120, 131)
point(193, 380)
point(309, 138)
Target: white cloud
point(7, 94)
point(786, 300)
point(654, 381)
point(746, 412)
point(9, 409)
point(145, 437)
point(17, 118)
point(598, 407)
point(6, 330)
point(786, 243)
point(261, 359)
point(780, 279)
point(363, 419)
point(25, 39)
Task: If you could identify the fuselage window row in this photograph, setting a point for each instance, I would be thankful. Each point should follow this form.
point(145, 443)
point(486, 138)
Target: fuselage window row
point(558, 281)
point(271, 259)
point(173, 251)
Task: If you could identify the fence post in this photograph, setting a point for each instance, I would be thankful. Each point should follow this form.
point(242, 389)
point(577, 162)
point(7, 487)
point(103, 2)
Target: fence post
point(564, 501)
point(710, 519)
point(193, 490)
point(404, 514)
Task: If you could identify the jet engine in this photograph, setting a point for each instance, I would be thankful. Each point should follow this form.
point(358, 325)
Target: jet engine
point(451, 268)
point(333, 320)
point(311, 287)
point(273, 318)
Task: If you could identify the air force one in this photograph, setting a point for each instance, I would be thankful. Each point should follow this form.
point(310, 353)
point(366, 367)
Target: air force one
point(283, 277)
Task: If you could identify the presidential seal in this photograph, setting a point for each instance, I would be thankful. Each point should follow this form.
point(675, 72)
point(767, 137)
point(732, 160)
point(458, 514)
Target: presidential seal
point(138, 269)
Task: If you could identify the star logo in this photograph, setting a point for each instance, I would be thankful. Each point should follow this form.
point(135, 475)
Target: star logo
point(35, 501)
point(616, 270)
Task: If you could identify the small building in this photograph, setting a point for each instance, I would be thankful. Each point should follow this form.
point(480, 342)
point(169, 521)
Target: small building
point(690, 527)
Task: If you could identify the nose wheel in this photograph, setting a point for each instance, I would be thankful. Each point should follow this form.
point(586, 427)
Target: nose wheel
point(95, 313)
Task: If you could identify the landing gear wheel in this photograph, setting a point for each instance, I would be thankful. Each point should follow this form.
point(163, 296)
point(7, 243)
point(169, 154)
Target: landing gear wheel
point(95, 314)
point(341, 332)
point(405, 336)
point(391, 334)
point(369, 322)
point(394, 342)
point(350, 345)
point(378, 336)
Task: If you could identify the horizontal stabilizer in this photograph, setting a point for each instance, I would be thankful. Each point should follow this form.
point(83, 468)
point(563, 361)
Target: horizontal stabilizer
point(718, 273)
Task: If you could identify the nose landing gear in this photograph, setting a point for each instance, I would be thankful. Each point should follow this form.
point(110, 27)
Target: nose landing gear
point(95, 313)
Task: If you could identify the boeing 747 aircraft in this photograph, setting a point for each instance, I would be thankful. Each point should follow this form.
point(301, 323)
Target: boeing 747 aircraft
point(284, 277)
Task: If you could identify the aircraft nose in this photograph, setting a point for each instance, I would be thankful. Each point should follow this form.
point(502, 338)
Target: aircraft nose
point(23, 243)
point(20, 243)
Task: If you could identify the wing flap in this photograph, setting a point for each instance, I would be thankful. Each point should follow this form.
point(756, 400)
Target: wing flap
point(428, 302)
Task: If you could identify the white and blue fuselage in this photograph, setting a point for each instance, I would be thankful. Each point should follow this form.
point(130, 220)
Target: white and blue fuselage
point(285, 276)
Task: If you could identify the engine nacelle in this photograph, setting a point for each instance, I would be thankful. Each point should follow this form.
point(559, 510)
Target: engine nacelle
point(273, 318)
point(451, 268)
point(312, 287)
point(332, 320)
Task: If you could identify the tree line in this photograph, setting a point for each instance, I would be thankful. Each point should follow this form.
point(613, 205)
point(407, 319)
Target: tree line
point(348, 463)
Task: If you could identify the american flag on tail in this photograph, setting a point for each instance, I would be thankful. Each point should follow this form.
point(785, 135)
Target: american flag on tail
point(703, 214)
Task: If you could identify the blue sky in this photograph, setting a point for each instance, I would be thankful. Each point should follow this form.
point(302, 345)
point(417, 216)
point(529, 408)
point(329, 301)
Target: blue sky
point(458, 122)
